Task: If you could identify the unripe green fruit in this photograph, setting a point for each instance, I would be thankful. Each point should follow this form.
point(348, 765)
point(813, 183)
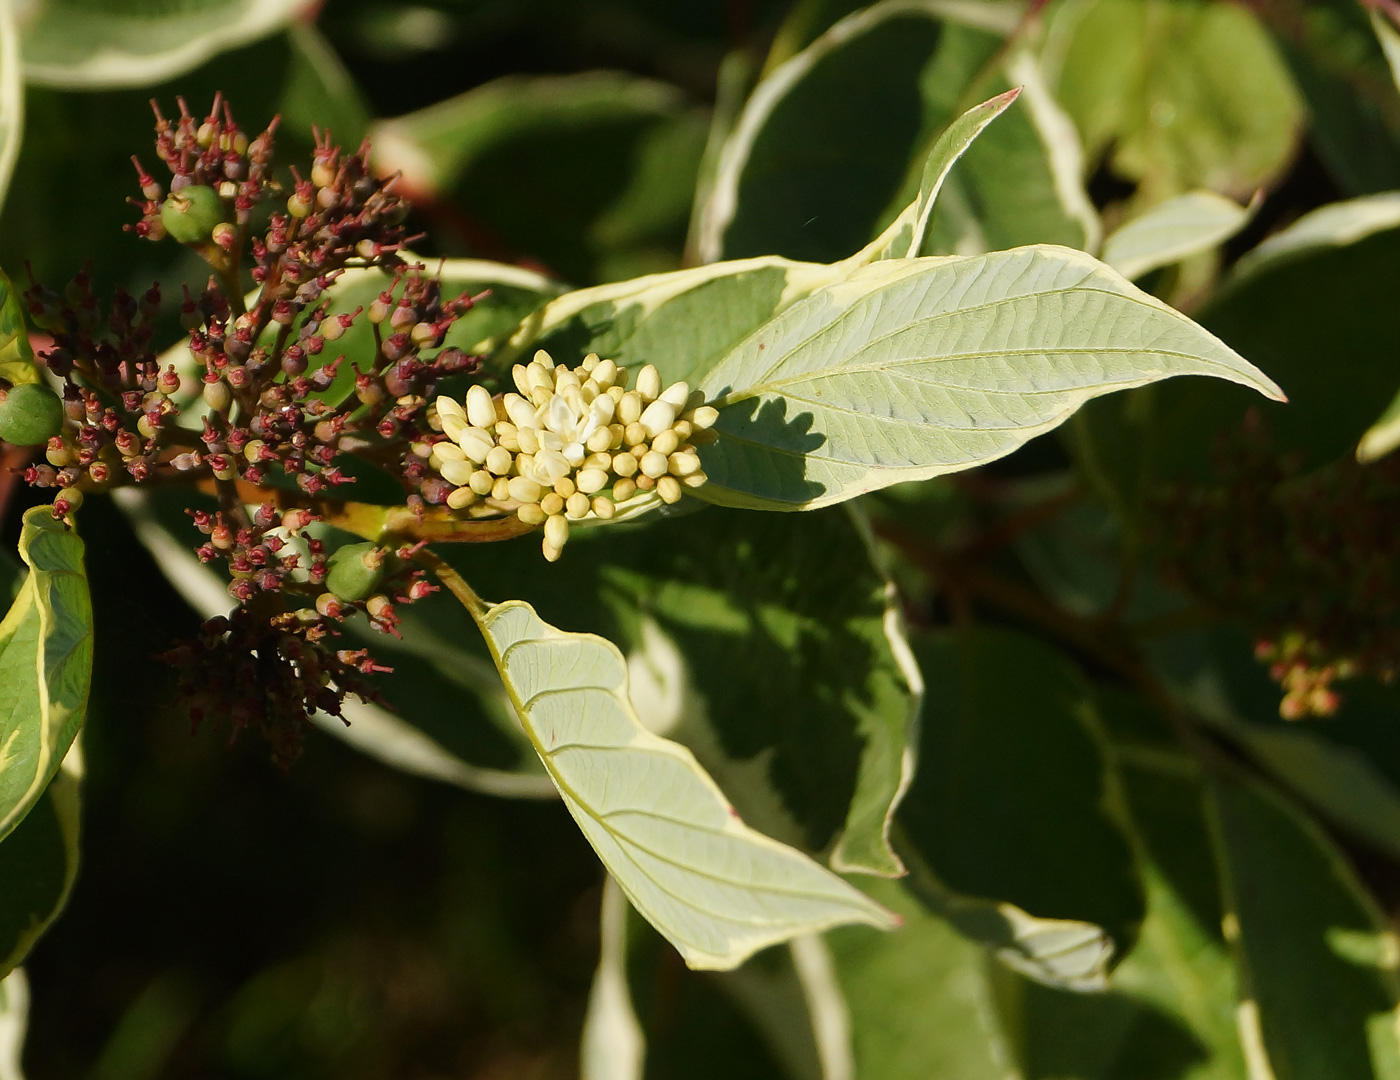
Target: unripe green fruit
point(190, 214)
point(355, 571)
point(31, 414)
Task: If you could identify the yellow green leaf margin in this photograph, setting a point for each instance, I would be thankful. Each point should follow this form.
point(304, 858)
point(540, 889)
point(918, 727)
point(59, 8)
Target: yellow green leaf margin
point(716, 889)
point(45, 664)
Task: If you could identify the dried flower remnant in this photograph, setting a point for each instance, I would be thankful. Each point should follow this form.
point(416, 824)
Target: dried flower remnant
point(574, 446)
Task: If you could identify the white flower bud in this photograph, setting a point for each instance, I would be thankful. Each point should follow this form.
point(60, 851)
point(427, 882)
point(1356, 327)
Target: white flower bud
point(461, 498)
point(520, 411)
point(500, 489)
point(551, 553)
point(669, 488)
point(676, 395)
point(577, 505)
point(704, 417)
point(525, 490)
point(590, 362)
point(624, 490)
point(481, 410)
point(553, 464)
point(447, 406)
point(499, 460)
point(598, 461)
point(649, 383)
point(658, 417)
point(452, 426)
point(634, 434)
point(591, 480)
point(667, 442)
point(445, 451)
point(653, 464)
point(457, 472)
point(553, 503)
point(543, 359)
point(530, 513)
point(475, 443)
point(624, 464)
point(556, 531)
point(520, 375)
point(684, 464)
point(629, 409)
point(694, 480)
point(529, 440)
point(605, 374)
point(600, 440)
point(481, 482)
point(537, 376)
point(565, 486)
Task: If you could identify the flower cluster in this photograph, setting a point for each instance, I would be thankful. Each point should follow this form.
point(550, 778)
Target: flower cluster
point(574, 445)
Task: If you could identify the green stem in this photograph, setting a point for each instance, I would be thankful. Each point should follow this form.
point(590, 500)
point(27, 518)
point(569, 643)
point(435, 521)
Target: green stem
point(454, 583)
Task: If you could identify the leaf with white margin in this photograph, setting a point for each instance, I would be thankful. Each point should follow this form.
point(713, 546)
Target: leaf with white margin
point(1170, 231)
point(716, 889)
point(69, 43)
point(911, 368)
point(613, 1045)
point(905, 235)
point(45, 664)
point(1389, 37)
point(14, 1022)
point(1334, 225)
point(11, 97)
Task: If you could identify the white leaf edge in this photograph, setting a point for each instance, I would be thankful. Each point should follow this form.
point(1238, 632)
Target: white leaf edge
point(1389, 38)
point(113, 67)
point(373, 730)
point(14, 1022)
point(1173, 230)
point(706, 940)
point(1337, 224)
point(11, 96)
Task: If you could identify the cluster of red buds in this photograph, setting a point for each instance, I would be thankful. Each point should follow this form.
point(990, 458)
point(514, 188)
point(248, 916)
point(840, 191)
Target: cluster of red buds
point(1306, 560)
point(277, 406)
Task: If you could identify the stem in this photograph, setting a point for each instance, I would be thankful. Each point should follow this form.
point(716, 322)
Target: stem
point(454, 583)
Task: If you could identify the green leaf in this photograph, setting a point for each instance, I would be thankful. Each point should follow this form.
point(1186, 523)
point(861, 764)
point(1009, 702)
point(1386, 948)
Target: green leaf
point(915, 367)
point(14, 1022)
point(1337, 224)
point(1168, 1012)
point(827, 140)
point(921, 1004)
point(1389, 38)
point(45, 664)
point(614, 156)
point(16, 357)
point(1171, 231)
point(38, 864)
point(1317, 958)
point(717, 890)
point(1007, 808)
point(92, 44)
point(319, 91)
point(1176, 94)
point(905, 235)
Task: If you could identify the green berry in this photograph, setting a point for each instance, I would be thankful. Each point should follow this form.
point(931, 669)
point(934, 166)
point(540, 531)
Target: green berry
point(31, 414)
point(190, 214)
point(355, 571)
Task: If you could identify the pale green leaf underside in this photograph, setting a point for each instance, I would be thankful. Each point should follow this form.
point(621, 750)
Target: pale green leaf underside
point(45, 664)
point(914, 367)
point(1172, 231)
point(713, 887)
point(81, 45)
point(1389, 37)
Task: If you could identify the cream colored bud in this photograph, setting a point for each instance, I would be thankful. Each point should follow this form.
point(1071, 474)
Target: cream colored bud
point(565, 485)
point(694, 480)
point(592, 480)
point(624, 464)
point(624, 490)
point(422, 449)
point(553, 464)
point(666, 442)
point(551, 553)
point(682, 429)
point(605, 374)
point(447, 406)
point(618, 433)
point(629, 409)
point(556, 531)
point(540, 395)
point(600, 440)
point(704, 417)
point(604, 507)
point(543, 359)
point(658, 417)
point(457, 472)
point(669, 488)
point(553, 503)
point(653, 464)
point(520, 411)
point(461, 498)
point(684, 464)
point(634, 434)
point(616, 392)
point(499, 460)
point(481, 482)
point(590, 362)
point(539, 378)
point(523, 489)
point(676, 395)
point(452, 426)
point(529, 440)
point(577, 505)
point(520, 376)
point(649, 383)
point(476, 444)
point(481, 410)
point(530, 513)
point(445, 451)
point(500, 489)
point(598, 461)
point(508, 439)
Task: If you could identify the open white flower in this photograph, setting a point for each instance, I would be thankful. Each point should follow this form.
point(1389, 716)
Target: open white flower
point(574, 445)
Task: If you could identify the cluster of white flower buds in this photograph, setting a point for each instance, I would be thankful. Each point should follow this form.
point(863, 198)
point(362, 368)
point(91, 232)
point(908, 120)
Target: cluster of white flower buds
point(574, 445)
